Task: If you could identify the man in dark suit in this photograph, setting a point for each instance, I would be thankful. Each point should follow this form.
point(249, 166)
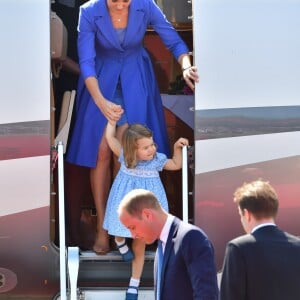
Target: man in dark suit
point(188, 269)
point(264, 264)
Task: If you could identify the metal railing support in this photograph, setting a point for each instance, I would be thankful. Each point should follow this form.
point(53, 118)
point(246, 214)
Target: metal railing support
point(62, 235)
point(185, 214)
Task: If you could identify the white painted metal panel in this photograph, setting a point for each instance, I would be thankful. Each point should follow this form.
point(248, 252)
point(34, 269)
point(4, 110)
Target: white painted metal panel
point(247, 53)
point(24, 60)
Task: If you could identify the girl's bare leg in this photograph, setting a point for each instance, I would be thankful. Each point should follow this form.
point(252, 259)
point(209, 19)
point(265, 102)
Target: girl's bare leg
point(138, 248)
point(100, 178)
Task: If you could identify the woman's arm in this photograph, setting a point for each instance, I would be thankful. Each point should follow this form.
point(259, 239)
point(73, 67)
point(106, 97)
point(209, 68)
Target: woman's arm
point(175, 44)
point(175, 163)
point(189, 72)
point(112, 141)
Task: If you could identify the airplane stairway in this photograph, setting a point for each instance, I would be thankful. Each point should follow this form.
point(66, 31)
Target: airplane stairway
point(85, 275)
point(90, 276)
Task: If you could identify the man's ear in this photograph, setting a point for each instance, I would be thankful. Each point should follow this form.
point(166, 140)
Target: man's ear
point(147, 214)
point(247, 214)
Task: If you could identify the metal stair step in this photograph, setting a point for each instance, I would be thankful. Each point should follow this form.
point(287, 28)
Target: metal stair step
point(110, 294)
point(110, 256)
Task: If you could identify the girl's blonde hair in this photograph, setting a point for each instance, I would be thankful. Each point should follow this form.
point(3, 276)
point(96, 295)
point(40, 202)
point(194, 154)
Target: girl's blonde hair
point(129, 142)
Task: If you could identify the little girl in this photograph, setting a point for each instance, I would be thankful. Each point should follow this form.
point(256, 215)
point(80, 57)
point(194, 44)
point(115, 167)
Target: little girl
point(140, 166)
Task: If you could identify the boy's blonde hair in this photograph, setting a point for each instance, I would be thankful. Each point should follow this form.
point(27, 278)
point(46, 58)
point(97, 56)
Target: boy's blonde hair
point(129, 142)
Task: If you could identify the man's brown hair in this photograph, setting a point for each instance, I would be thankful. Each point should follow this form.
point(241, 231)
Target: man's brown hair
point(137, 200)
point(258, 197)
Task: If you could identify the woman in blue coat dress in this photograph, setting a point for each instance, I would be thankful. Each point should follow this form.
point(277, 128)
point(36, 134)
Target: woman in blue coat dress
point(117, 76)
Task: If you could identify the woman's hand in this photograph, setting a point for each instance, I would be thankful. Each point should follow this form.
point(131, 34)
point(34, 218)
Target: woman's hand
point(111, 111)
point(190, 75)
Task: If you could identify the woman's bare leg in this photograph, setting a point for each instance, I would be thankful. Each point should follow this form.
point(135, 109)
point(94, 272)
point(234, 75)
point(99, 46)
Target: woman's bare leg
point(100, 178)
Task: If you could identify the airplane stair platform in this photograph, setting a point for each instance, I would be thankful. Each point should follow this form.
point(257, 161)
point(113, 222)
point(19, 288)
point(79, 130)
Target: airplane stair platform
point(90, 276)
point(112, 294)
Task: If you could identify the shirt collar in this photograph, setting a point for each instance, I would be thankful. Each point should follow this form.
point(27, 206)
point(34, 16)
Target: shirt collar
point(262, 225)
point(165, 231)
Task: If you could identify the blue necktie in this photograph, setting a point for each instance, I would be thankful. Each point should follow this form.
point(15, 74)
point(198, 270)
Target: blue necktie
point(159, 267)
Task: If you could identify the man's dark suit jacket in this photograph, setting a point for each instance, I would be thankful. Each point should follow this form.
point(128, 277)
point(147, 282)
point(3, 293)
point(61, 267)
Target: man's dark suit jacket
point(264, 265)
point(188, 270)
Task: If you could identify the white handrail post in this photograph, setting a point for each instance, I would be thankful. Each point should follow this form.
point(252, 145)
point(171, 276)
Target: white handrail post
point(62, 236)
point(185, 215)
point(73, 267)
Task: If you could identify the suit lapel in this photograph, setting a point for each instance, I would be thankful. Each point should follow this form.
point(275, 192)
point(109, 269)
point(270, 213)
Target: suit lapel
point(135, 19)
point(104, 24)
point(169, 247)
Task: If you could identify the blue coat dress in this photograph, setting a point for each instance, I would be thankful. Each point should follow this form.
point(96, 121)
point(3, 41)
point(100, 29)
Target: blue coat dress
point(103, 56)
